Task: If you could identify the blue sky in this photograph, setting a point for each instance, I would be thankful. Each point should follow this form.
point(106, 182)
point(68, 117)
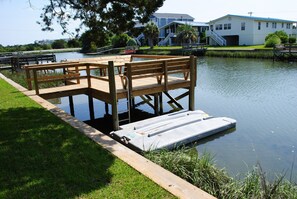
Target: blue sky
point(18, 20)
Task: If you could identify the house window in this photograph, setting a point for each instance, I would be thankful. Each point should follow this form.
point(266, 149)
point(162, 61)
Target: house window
point(163, 22)
point(267, 24)
point(274, 25)
point(288, 26)
point(242, 25)
point(211, 27)
point(227, 26)
point(283, 25)
point(259, 25)
point(219, 26)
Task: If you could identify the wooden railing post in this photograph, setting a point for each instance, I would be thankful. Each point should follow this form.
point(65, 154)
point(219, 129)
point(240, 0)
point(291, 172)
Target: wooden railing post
point(35, 81)
point(165, 72)
point(88, 75)
point(113, 96)
point(192, 83)
point(29, 82)
point(77, 71)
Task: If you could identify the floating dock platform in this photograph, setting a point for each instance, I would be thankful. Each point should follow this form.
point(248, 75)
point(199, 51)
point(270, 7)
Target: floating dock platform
point(171, 130)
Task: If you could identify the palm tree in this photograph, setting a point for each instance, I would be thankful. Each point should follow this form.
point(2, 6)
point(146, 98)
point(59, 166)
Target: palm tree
point(151, 32)
point(187, 34)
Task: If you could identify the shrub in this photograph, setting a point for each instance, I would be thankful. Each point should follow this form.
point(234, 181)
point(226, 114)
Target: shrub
point(272, 41)
point(131, 42)
point(292, 40)
point(281, 34)
point(120, 40)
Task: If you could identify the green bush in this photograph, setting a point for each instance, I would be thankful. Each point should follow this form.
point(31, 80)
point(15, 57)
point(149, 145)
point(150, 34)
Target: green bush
point(120, 40)
point(272, 41)
point(292, 40)
point(131, 42)
point(281, 34)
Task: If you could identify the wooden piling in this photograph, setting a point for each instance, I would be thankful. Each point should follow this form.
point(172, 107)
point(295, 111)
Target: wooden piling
point(35, 82)
point(192, 83)
point(71, 105)
point(91, 107)
point(113, 95)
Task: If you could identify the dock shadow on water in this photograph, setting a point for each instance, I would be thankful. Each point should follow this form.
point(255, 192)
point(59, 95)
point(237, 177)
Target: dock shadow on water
point(44, 158)
point(104, 124)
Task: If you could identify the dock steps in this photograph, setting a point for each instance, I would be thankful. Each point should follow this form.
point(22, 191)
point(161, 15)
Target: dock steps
point(171, 130)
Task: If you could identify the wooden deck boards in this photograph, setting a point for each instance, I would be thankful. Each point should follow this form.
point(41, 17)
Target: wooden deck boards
point(100, 88)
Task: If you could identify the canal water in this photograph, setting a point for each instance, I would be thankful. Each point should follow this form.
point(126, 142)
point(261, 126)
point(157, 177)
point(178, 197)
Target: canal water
point(260, 94)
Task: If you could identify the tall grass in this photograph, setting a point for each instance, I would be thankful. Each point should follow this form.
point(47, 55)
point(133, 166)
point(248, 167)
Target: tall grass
point(263, 54)
point(202, 172)
point(20, 78)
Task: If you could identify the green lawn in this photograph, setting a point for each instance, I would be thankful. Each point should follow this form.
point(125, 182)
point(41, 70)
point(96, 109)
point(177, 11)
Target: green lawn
point(43, 157)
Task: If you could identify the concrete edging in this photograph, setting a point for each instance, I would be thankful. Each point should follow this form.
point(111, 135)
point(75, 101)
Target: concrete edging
point(167, 180)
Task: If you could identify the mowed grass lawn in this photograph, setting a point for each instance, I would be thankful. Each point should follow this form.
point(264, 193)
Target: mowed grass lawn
point(43, 157)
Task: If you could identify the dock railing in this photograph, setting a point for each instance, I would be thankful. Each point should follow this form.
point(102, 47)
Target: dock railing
point(60, 72)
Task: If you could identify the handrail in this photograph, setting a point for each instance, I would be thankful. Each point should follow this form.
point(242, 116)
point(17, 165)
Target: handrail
point(217, 38)
point(164, 41)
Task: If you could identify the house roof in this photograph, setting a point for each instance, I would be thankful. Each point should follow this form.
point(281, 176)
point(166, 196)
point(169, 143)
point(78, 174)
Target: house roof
point(256, 18)
point(172, 15)
point(191, 23)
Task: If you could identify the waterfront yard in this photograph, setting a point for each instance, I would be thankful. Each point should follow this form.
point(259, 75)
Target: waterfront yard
point(43, 157)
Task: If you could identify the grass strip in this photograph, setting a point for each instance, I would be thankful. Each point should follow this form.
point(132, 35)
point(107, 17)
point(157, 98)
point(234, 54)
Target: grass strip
point(43, 157)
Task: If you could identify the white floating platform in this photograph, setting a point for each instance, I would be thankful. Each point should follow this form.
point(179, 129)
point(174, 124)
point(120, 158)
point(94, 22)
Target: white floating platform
point(172, 130)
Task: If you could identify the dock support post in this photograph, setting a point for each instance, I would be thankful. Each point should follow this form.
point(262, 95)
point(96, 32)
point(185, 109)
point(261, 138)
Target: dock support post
point(156, 103)
point(91, 107)
point(71, 105)
point(161, 102)
point(106, 108)
point(113, 96)
point(192, 83)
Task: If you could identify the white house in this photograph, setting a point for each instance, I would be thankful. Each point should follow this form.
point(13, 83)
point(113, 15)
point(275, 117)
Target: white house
point(234, 30)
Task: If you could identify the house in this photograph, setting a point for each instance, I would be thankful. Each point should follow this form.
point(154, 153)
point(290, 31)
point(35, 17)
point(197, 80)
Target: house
point(168, 23)
point(232, 30)
point(170, 31)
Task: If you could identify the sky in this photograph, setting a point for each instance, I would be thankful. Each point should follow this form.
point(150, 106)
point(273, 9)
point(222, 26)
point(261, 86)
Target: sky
point(18, 19)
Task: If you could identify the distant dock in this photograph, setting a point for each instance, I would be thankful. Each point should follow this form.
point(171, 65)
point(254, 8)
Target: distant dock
point(16, 62)
point(285, 52)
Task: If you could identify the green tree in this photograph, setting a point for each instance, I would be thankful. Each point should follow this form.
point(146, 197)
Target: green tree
point(186, 34)
point(120, 40)
point(59, 44)
point(92, 39)
point(151, 32)
point(114, 16)
point(73, 43)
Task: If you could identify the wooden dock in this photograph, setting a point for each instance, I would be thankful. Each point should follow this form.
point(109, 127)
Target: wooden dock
point(16, 62)
point(117, 77)
point(285, 52)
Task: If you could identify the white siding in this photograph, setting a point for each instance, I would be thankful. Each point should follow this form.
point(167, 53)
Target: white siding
point(251, 35)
